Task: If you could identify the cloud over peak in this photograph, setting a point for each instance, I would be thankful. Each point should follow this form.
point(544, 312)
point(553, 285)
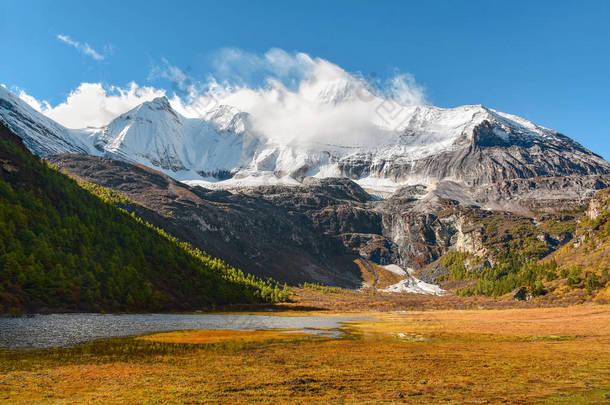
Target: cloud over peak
point(293, 97)
point(290, 97)
point(92, 104)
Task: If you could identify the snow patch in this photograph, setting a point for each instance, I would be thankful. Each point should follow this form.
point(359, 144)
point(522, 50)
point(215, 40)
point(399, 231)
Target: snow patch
point(410, 284)
point(257, 179)
point(414, 285)
point(396, 269)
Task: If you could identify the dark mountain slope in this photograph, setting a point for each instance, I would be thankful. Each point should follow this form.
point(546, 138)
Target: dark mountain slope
point(62, 247)
point(289, 233)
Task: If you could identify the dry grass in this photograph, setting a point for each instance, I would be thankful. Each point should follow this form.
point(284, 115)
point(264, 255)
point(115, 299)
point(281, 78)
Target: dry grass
point(592, 255)
point(355, 301)
point(218, 336)
point(542, 355)
point(375, 276)
point(582, 320)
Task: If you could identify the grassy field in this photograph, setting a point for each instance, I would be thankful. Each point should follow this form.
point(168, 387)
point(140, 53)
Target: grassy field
point(523, 355)
point(344, 300)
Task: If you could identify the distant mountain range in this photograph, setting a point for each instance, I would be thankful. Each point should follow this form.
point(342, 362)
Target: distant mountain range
point(472, 145)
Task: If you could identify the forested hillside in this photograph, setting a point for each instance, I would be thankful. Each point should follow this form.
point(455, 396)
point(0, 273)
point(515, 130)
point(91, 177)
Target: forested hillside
point(63, 247)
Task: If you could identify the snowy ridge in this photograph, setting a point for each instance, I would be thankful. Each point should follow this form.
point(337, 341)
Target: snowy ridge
point(155, 135)
point(40, 134)
point(222, 150)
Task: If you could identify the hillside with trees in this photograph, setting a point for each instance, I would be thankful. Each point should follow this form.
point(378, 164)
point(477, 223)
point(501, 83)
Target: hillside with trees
point(585, 261)
point(68, 247)
point(565, 256)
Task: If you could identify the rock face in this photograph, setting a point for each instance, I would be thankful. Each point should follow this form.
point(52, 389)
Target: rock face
point(520, 294)
point(492, 153)
point(554, 193)
point(598, 204)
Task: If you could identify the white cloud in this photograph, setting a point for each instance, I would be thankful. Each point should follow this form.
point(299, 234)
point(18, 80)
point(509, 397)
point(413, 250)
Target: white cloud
point(39, 106)
point(246, 68)
point(83, 48)
point(291, 97)
point(301, 99)
point(93, 105)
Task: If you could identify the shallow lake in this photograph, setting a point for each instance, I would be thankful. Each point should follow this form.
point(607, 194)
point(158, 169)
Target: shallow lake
point(42, 331)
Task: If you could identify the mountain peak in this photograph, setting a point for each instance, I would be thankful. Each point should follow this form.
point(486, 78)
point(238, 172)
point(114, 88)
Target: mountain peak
point(159, 103)
point(158, 109)
point(162, 101)
point(228, 118)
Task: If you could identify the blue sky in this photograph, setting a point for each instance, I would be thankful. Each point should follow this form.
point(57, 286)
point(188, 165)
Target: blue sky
point(548, 61)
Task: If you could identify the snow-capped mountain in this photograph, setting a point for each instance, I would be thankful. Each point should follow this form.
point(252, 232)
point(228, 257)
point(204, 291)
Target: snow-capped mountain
point(469, 144)
point(40, 134)
point(155, 135)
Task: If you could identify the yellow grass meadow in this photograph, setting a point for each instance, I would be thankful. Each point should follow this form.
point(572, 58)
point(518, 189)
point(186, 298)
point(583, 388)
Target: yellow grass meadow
point(513, 356)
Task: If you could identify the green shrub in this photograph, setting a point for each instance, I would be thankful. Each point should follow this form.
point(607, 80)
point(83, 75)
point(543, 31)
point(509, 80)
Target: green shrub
point(537, 289)
point(320, 287)
point(455, 262)
point(573, 278)
point(592, 282)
